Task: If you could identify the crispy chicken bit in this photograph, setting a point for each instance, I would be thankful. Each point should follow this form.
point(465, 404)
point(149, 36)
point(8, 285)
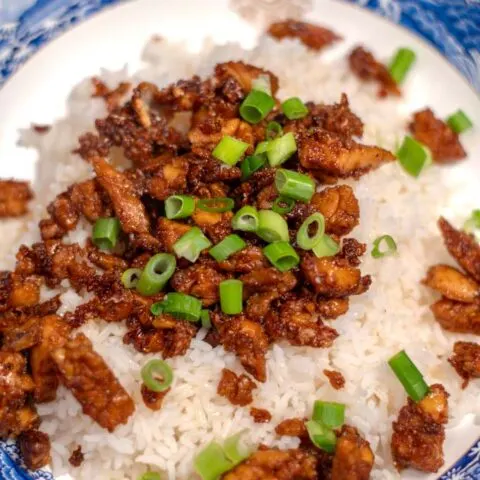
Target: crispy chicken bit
point(113, 97)
point(260, 415)
point(462, 247)
point(340, 208)
point(312, 36)
point(332, 308)
point(264, 280)
point(24, 292)
point(273, 464)
point(419, 432)
point(87, 198)
point(245, 261)
point(14, 198)
point(153, 400)
point(92, 383)
point(353, 458)
point(364, 65)
point(452, 283)
point(216, 225)
point(169, 177)
point(466, 360)
point(22, 336)
point(457, 316)
point(336, 379)
point(35, 449)
point(77, 457)
point(236, 388)
point(442, 141)
point(292, 427)
point(169, 231)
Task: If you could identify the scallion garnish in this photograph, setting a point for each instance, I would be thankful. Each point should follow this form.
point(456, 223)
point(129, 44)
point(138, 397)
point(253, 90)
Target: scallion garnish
point(272, 227)
point(261, 147)
point(283, 205)
point(156, 274)
point(274, 130)
point(330, 414)
point(409, 376)
point(326, 247)
point(205, 319)
point(472, 225)
point(401, 64)
point(281, 149)
point(105, 233)
point(246, 219)
point(459, 122)
point(383, 246)
point(294, 108)
point(231, 448)
point(191, 244)
point(216, 205)
point(150, 476)
point(212, 462)
point(251, 164)
point(231, 296)
point(229, 150)
point(294, 185)
point(228, 246)
point(130, 277)
point(256, 106)
point(413, 156)
point(282, 255)
point(179, 206)
point(304, 239)
point(321, 436)
point(179, 305)
point(262, 83)
point(157, 375)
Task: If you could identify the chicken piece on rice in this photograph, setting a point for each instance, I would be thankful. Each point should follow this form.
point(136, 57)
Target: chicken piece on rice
point(466, 361)
point(14, 198)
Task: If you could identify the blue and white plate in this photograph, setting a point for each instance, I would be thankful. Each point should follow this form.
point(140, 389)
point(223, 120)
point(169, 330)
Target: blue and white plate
point(38, 90)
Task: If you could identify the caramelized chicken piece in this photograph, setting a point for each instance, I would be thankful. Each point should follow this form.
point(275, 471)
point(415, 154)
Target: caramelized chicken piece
point(332, 308)
point(77, 457)
point(215, 225)
point(106, 261)
point(259, 305)
point(271, 464)
point(169, 177)
point(14, 198)
point(366, 67)
point(419, 432)
point(245, 261)
point(24, 292)
point(236, 388)
point(336, 379)
point(462, 247)
point(260, 415)
point(22, 336)
point(35, 449)
point(340, 208)
point(169, 231)
point(87, 198)
point(442, 141)
point(292, 427)
point(452, 283)
point(113, 97)
point(92, 383)
point(126, 203)
point(353, 459)
point(312, 36)
point(153, 400)
point(263, 280)
point(177, 335)
point(466, 360)
point(457, 316)
point(329, 154)
point(63, 213)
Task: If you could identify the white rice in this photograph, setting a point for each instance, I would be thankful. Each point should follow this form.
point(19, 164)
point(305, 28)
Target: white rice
point(394, 314)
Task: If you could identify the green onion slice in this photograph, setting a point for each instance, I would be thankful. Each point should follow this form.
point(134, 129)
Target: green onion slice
point(205, 319)
point(212, 462)
point(379, 243)
point(459, 122)
point(179, 305)
point(191, 244)
point(330, 414)
point(246, 219)
point(321, 436)
point(256, 106)
point(231, 448)
point(216, 205)
point(294, 185)
point(283, 205)
point(413, 156)
point(272, 227)
point(401, 64)
point(281, 149)
point(157, 375)
point(252, 164)
point(231, 296)
point(130, 277)
point(304, 240)
point(150, 476)
point(326, 247)
point(229, 150)
point(228, 246)
point(409, 376)
point(472, 225)
point(261, 147)
point(157, 308)
point(156, 274)
point(262, 84)
point(294, 108)
point(179, 206)
point(105, 233)
point(282, 255)
point(274, 130)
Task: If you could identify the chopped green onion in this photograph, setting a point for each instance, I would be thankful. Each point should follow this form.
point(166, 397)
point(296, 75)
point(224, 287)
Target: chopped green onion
point(229, 150)
point(326, 247)
point(150, 476)
point(294, 108)
point(232, 450)
point(391, 246)
point(251, 164)
point(294, 185)
point(283, 205)
point(401, 64)
point(105, 233)
point(413, 156)
point(151, 372)
point(179, 206)
point(179, 305)
point(256, 106)
point(246, 219)
point(272, 227)
point(282, 255)
point(472, 225)
point(321, 436)
point(228, 246)
point(304, 239)
point(274, 130)
point(130, 277)
point(262, 84)
point(191, 244)
point(459, 122)
point(156, 274)
point(262, 147)
point(205, 319)
point(231, 296)
point(212, 462)
point(409, 376)
point(216, 205)
point(330, 414)
point(281, 149)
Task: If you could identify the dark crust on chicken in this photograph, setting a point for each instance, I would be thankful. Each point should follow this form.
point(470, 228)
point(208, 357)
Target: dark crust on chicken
point(77, 457)
point(35, 448)
point(14, 198)
point(236, 388)
point(466, 361)
point(260, 415)
point(336, 379)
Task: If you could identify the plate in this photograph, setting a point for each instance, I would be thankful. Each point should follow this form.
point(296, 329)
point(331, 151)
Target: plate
point(37, 92)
